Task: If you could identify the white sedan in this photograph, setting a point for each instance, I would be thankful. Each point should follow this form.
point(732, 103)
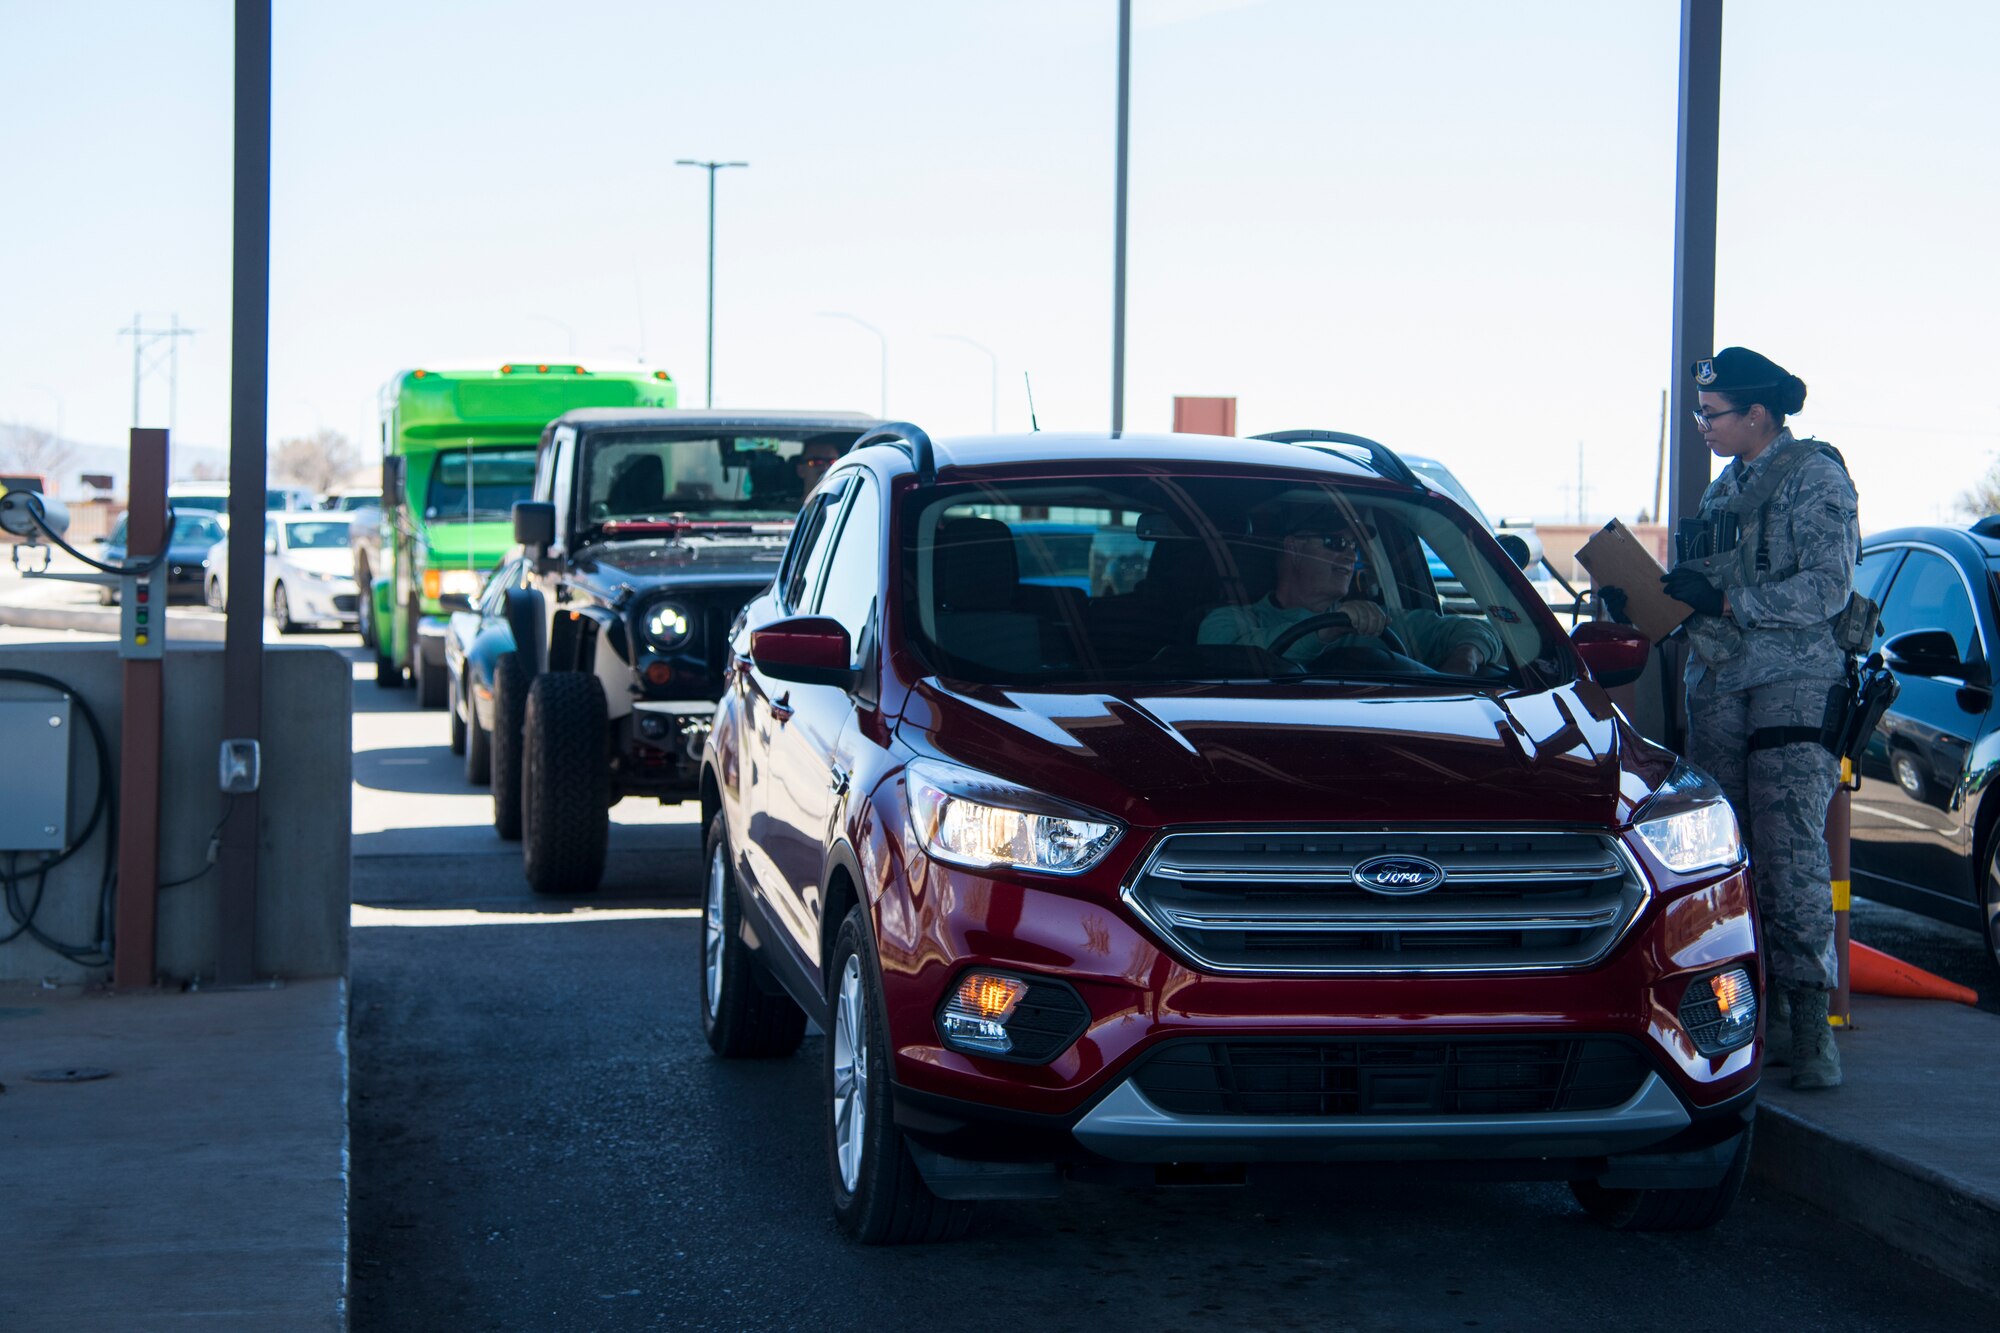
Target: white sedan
point(308, 572)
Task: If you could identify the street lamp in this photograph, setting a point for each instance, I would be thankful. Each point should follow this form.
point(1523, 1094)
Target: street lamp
point(882, 337)
point(708, 398)
point(993, 409)
point(1118, 245)
point(568, 332)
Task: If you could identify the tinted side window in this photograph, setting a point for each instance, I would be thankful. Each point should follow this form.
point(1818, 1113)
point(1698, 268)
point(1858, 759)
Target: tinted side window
point(1871, 576)
point(795, 576)
point(853, 572)
point(1929, 594)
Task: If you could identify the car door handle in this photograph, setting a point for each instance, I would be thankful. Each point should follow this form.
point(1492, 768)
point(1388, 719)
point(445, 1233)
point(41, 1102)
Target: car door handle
point(838, 784)
point(781, 707)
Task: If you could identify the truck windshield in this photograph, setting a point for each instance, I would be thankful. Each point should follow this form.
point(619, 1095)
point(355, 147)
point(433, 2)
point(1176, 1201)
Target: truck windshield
point(1201, 578)
point(638, 475)
point(479, 484)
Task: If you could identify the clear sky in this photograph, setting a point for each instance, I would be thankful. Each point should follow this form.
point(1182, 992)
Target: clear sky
point(1447, 225)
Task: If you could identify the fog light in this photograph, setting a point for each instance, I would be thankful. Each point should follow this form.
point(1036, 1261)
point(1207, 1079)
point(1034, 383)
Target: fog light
point(975, 1017)
point(651, 726)
point(1720, 1012)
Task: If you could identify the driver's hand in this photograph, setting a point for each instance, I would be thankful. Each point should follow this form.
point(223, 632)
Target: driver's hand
point(1367, 618)
point(1464, 660)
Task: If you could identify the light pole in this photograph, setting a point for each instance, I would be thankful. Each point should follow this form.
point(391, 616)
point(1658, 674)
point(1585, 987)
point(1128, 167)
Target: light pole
point(568, 332)
point(708, 397)
point(882, 337)
point(993, 409)
point(1118, 244)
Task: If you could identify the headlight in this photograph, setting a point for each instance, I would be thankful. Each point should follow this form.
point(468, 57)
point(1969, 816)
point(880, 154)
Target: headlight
point(668, 625)
point(973, 819)
point(1687, 823)
point(452, 583)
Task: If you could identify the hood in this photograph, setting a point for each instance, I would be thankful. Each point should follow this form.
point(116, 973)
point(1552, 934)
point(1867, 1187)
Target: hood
point(1285, 754)
point(449, 542)
point(652, 560)
point(330, 560)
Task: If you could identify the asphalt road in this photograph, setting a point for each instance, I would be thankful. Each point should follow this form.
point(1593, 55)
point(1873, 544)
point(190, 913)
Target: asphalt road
point(541, 1140)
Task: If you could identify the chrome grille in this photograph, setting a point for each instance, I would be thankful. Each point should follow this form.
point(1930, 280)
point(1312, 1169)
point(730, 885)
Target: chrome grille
point(1288, 901)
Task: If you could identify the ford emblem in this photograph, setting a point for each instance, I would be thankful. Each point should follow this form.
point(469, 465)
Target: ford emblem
point(1398, 876)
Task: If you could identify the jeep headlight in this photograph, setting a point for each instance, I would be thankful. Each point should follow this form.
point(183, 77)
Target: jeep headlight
point(976, 820)
point(1688, 824)
point(667, 625)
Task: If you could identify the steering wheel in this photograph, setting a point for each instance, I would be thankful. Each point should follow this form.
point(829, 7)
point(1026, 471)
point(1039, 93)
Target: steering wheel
point(1327, 620)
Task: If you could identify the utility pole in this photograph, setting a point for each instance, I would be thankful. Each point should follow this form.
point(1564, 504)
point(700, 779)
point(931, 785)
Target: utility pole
point(708, 397)
point(144, 340)
point(1660, 464)
point(1118, 225)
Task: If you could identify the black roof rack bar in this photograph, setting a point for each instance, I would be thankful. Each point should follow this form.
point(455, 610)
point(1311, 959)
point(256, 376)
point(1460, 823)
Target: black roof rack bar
point(1381, 457)
point(911, 440)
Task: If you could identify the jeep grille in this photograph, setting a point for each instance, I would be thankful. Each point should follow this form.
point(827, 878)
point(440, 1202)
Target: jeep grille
point(1288, 902)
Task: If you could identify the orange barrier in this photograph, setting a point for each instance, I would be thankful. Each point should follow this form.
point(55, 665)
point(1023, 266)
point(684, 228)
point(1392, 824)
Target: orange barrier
point(1873, 972)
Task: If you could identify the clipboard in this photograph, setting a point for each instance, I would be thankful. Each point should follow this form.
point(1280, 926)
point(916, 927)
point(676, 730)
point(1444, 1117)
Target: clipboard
point(1617, 559)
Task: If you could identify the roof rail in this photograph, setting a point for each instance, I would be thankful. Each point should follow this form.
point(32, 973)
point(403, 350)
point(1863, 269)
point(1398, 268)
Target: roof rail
point(911, 440)
point(1381, 457)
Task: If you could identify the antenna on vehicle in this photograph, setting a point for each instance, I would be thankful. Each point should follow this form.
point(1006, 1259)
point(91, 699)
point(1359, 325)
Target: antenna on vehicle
point(1032, 423)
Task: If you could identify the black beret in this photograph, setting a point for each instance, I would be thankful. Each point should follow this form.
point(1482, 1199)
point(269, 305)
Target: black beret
point(1735, 369)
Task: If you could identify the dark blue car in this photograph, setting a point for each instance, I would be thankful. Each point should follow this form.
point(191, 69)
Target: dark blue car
point(195, 533)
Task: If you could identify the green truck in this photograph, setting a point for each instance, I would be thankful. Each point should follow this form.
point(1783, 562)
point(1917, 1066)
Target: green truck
point(458, 449)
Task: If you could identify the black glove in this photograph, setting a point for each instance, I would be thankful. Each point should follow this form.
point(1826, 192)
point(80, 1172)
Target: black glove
point(1692, 586)
point(1613, 601)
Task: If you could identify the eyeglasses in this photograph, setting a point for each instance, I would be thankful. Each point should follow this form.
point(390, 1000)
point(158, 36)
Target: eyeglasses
point(1707, 419)
point(1332, 541)
point(815, 462)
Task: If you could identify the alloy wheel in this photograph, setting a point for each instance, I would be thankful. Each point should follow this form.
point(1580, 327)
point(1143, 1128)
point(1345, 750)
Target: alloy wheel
point(711, 931)
point(850, 1074)
point(1991, 905)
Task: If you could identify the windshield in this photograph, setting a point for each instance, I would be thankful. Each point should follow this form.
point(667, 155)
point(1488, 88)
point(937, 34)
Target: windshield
point(479, 484)
point(180, 504)
point(635, 475)
point(190, 530)
point(1214, 578)
point(318, 535)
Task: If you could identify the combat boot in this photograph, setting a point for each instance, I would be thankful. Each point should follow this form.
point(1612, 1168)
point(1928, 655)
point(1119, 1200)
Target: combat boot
point(1815, 1057)
point(1778, 1028)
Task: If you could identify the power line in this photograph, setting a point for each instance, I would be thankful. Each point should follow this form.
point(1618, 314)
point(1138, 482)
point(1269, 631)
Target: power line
point(144, 342)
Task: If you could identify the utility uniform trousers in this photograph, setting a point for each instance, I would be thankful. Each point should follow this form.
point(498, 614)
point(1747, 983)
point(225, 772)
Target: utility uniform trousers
point(1780, 795)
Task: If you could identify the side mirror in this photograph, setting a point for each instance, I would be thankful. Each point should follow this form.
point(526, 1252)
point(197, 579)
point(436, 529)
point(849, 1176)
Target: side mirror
point(1616, 654)
point(270, 546)
point(1924, 652)
point(812, 650)
point(1516, 548)
point(535, 524)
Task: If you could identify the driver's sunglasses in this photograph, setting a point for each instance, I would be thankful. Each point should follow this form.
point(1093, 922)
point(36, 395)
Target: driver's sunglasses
point(1333, 541)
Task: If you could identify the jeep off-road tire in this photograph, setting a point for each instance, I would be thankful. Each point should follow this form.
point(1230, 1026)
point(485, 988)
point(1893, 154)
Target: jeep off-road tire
point(510, 702)
point(740, 1017)
point(478, 748)
point(1667, 1210)
point(878, 1196)
point(452, 703)
point(565, 783)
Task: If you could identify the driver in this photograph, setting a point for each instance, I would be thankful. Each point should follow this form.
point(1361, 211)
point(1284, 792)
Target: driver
point(1315, 573)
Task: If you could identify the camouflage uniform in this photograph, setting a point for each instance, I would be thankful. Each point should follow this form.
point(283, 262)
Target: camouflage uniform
point(1770, 661)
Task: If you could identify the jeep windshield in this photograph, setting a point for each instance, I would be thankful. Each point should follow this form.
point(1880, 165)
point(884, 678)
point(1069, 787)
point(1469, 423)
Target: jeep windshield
point(473, 485)
point(638, 478)
point(1209, 578)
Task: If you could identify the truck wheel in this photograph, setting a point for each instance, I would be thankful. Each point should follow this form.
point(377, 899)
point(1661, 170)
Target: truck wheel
point(878, 1196)
point(364, 608)
point(478, 748)
point(451, 706)
point(737, 1016)
point(565, 783)
point(430, 677)
point(510, 701)
point(1667, 1210)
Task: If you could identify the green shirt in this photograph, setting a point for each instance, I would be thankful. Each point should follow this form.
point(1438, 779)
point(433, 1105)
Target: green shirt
point(1429, 637)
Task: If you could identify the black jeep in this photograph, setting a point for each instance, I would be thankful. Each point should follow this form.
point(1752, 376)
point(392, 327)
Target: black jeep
point(607, 627)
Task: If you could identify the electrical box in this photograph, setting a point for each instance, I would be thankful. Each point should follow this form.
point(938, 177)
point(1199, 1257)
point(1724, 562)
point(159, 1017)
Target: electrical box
point(34, 782)
point(142, 614)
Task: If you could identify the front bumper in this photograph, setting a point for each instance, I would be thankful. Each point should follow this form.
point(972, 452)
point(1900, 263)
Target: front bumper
point(333, 600)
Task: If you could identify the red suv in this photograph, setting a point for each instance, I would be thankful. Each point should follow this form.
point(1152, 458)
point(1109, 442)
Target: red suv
point(1133, 803)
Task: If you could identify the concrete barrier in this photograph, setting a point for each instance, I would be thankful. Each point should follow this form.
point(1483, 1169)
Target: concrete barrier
point(305, 811)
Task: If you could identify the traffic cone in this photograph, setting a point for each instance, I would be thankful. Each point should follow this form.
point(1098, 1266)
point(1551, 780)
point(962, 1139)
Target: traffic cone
point(1872, 972)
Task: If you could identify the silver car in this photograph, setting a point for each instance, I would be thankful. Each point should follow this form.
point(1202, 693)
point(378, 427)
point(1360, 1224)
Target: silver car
point(308, 572)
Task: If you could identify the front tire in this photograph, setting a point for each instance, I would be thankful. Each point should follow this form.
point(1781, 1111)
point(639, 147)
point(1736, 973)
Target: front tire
point(738, 1017)
point(1667, 1210)
point(452, 704)
point(565, 783)
point(478, 748)
point(510, 701)
point(430, 677)
point(878, 1196)
point(281, 611)
point(1990, 899)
